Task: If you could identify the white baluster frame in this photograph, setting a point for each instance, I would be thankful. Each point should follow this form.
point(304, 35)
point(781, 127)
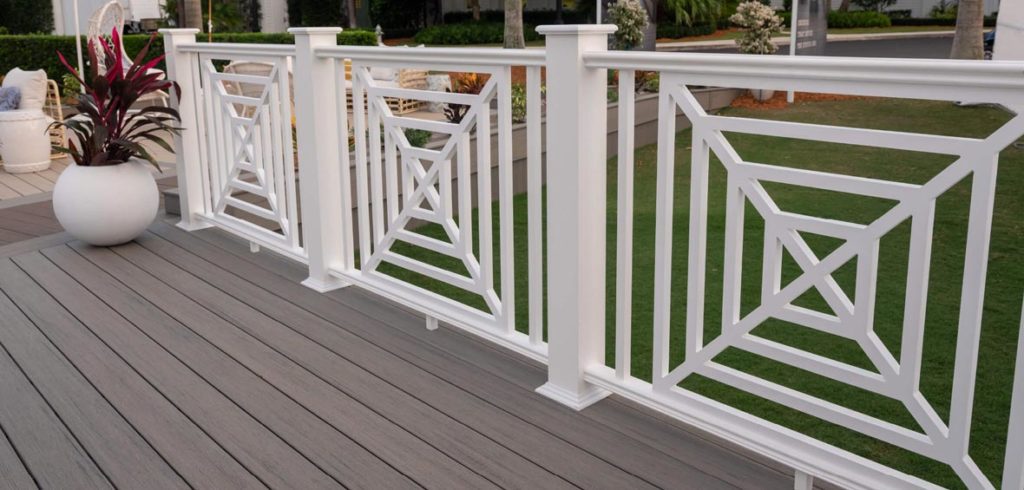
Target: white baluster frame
point(246, 146)
point(396, 183)
point(896, 378)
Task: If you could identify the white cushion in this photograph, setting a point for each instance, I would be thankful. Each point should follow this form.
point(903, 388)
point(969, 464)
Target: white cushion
point(383, 73)
point(32, 85)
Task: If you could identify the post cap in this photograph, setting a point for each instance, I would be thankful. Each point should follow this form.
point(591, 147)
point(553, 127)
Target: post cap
point(577, 29)
point(296, 31)
point(179, 31)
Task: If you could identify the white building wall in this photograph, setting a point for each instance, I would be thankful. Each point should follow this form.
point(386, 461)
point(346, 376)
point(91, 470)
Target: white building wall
point(64, 13)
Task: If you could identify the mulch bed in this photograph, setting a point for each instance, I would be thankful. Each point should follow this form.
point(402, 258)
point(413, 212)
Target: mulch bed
point(778, 101)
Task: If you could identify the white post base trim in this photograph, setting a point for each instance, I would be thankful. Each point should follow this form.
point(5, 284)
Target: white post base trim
point(431, 323)
point(324, 286)
point(803, 481)
point(193, 225)
point(575, 401)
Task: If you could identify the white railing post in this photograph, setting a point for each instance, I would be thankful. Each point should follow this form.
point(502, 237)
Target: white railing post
point(319, 164)
point(577, 129)
point(181, 68)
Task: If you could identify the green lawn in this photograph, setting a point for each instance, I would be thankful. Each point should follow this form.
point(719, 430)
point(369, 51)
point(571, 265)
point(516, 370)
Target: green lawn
point(1003, 294)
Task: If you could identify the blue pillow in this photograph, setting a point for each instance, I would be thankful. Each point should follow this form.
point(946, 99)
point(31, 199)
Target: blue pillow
point(10, 97)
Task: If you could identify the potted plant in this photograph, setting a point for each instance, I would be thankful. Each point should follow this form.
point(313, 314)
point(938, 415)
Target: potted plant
point(759, 24)
point(108, 196)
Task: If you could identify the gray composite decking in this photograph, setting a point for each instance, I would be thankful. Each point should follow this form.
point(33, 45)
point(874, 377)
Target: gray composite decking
point(182, 360)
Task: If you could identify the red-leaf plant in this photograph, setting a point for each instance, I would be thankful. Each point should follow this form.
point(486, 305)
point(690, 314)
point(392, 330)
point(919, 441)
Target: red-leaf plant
point(107, 133)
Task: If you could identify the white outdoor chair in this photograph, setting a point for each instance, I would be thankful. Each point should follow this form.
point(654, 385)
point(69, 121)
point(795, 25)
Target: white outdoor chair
point(257, 68)
point(105, 20)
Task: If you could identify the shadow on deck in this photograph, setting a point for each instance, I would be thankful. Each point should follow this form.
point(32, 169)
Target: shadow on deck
point(183, 360)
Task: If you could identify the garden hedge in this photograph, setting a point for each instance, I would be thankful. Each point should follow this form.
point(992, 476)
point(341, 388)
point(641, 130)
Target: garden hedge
point(470, 33)
point(989, 22)
point(676, 31)
point(38, 51)
point(847, 20)
point(534, 17)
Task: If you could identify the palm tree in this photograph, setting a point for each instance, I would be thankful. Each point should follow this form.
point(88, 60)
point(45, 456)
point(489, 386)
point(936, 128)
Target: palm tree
point(350, 13)
point(967, 42)
point(191, 14)
point(514, 24)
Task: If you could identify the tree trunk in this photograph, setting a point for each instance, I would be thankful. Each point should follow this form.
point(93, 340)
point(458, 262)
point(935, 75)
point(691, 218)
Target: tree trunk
point(651, 32)
point(967, 42)
point(474, 6)
point(514, 24)
point(350, 13)
point(558, 12)
point(845, 6)
point(191, 13)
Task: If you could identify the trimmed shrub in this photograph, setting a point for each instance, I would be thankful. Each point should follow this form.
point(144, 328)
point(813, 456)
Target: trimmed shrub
point(470, 33)
point(848, 20)
point(864, 18)
point(989, 22)
point(36, 51)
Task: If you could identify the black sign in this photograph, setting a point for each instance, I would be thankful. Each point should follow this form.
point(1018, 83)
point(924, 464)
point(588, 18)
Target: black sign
point(811, 26)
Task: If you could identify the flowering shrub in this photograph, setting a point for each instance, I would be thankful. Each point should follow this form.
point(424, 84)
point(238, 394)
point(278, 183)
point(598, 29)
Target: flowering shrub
point(631, 19)
point(759, 23)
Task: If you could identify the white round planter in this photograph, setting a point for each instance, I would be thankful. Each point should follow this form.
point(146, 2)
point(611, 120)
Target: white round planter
point(106, 205)
point(24, 141)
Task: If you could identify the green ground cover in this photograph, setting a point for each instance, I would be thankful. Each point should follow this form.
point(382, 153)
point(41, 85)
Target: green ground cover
point(1003, 294)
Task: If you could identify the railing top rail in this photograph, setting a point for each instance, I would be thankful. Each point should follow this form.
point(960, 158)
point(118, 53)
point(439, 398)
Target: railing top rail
point(239, 49)
point(977, 81)
point(441, 56)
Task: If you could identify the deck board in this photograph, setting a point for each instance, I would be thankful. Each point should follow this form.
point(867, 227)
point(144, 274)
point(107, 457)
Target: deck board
point(658, 468)
point(215, 369)
point(15, 475)
point(390, 443)
point(374, 383)
point(249, 441)
point(127, 459)
point(184, 445)
point(330, 450)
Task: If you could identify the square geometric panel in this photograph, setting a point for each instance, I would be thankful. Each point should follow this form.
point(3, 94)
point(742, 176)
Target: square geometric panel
point(849, 318)
point(412, 183)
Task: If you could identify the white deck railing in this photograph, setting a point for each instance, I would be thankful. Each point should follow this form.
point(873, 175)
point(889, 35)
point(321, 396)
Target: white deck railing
point(236, 171)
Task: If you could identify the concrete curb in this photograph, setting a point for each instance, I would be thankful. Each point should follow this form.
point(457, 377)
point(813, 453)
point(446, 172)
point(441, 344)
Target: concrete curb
point(784, 41)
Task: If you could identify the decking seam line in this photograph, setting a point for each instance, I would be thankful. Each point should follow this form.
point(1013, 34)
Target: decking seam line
point(143, 377)
point(489, 402)
point(363, 369)
point(17, 453)
point(86, 378)
point(300, 366)
point(47, 401)
point(217, 389)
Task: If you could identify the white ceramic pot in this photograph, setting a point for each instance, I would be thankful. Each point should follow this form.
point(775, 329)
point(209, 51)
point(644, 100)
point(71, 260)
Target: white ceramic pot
point(24, 140)
point(762, 95)
point(106, 205)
